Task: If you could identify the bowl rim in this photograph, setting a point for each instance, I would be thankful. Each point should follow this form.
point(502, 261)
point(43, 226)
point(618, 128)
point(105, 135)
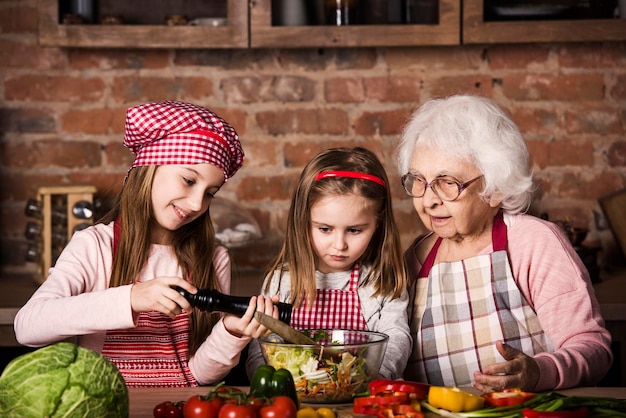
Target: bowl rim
point(382, 337)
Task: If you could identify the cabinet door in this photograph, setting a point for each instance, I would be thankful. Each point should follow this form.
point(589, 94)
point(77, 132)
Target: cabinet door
point(263, 34)
point(232, 35)
point(507, 27)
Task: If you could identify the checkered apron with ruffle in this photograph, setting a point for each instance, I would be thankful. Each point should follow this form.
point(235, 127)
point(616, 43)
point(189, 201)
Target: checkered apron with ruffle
point(462, 309)
point(333, 308)
point(154, 353)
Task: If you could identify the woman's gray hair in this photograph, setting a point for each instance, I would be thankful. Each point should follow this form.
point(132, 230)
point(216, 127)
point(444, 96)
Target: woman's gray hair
point(474, 129)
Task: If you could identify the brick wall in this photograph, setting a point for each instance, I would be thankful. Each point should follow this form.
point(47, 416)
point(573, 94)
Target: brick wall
point(62, 117)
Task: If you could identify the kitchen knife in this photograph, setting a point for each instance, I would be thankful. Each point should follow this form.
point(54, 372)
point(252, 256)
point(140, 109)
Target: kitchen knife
point(285, 331)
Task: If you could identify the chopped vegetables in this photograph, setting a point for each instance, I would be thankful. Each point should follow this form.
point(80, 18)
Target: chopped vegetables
point(548, 405)
point(507, 397)
point(418, 390)
point(582, 412)
point(392, 399)
point(370, 405)
point(322, 376)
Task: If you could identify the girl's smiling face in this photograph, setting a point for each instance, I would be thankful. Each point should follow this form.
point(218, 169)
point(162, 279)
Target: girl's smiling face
point(341, 230)
point(180, 194)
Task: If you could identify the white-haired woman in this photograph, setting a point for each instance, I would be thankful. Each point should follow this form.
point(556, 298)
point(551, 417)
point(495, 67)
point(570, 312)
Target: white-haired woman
point(499, 298)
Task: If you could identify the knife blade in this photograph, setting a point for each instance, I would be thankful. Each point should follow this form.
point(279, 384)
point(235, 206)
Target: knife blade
point(285, 331)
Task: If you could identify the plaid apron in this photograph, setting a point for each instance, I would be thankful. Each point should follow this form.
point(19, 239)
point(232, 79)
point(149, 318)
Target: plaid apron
point(462, 309)
point(154, 353)
point(333, 308)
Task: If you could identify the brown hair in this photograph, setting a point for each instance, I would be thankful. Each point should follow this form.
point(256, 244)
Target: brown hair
point(193, 245)
point(384, 252)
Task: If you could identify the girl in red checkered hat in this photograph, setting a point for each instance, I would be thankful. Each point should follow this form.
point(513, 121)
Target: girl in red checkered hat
point(111, 288)
point(341, 263)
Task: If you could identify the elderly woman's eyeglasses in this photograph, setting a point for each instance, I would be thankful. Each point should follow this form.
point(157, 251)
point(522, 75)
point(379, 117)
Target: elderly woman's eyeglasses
point(446, 188)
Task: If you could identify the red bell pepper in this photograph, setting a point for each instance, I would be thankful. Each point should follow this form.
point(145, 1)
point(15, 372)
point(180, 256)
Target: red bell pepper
point(415, 390)
point(400, 411)
point(582, 412)
point(507, 397)
point(370, 405)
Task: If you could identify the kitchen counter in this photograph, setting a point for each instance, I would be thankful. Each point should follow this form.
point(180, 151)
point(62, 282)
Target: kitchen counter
point(143, 400)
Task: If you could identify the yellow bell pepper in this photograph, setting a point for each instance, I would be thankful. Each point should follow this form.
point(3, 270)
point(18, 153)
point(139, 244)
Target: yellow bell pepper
point(454, 399)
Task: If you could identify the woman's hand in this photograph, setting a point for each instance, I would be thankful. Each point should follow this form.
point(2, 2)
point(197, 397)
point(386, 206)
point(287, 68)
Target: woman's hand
point(247, 325)
point(159, 295)
point(518, 371)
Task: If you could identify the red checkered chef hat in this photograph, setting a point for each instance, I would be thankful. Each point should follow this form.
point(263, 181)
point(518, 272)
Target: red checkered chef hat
point(173, 132)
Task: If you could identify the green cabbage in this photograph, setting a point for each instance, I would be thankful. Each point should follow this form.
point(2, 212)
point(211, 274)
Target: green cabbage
point(62, 380)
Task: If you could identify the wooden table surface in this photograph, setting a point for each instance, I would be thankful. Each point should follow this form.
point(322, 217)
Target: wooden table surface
point(143, 400)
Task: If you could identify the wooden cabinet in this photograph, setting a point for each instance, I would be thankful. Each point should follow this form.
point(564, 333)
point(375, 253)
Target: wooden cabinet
point(249, 25)
point(233, 35)
point(263, 34)
point(478, 30)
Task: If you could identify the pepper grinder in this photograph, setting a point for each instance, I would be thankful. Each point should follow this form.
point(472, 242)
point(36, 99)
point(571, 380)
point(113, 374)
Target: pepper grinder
point(210, 300)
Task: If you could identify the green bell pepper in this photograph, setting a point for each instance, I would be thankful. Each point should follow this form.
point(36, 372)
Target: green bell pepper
point(268, 382)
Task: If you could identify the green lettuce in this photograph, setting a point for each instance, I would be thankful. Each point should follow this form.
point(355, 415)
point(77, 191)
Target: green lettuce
point(62, 380)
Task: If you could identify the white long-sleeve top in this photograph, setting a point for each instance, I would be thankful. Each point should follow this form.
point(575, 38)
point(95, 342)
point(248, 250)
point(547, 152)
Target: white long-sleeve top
point(381, 314)
point(75, 301)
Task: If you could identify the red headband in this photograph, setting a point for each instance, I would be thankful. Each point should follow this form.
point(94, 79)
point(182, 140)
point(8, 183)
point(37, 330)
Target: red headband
point(350, 174)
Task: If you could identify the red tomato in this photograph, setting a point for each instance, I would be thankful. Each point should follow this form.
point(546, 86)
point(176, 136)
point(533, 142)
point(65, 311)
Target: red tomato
point(198, 407)
point(279, 407)
point(231, 410)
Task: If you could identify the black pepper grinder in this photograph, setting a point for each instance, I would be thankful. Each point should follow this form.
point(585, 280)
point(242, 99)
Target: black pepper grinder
point(210, 300)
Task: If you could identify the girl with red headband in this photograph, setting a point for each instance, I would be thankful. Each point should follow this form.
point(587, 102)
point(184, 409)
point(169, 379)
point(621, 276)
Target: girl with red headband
point(341, 262)
point(112, 286)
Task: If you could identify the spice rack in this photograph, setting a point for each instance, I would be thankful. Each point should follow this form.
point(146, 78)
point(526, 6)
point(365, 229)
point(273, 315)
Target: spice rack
point(61, 211)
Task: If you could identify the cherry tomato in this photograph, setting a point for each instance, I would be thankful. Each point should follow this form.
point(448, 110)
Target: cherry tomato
point(199, 407)
point(168, 409)
point(279, 407)
point(159, 409)
point(231, 410)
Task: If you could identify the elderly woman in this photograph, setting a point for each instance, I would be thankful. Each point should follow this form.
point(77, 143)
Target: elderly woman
point(499, 298)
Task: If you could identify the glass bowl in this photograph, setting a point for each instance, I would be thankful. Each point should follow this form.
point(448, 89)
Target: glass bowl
point(334, 371)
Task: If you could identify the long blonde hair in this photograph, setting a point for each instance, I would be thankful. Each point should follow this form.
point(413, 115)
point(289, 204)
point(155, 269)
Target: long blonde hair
point(384, 252)
point(193, 244)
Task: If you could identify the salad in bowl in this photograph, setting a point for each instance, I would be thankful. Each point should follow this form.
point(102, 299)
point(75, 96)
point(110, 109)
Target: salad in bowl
point(335, 370)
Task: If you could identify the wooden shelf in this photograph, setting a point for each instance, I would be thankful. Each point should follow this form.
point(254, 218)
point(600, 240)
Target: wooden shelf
point(250, 26)
point(477, 31)
point(263, 34)
point(233, 35)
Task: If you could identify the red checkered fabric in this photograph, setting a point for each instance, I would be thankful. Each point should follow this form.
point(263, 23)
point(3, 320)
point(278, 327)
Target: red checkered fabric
point(154, 353)
point(333, 308)
point(173, 132)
